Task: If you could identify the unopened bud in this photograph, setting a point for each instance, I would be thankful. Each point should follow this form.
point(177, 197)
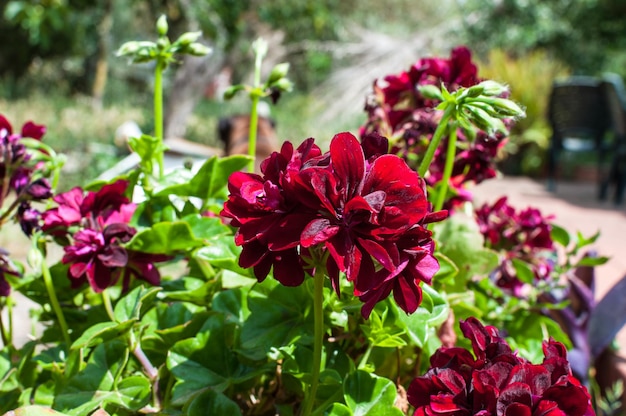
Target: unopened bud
point(283, 85)
point(430, 92)
point(188, 38)
point(493, 88)
point(128, 48)
point(232, 91)
point(507, 107)
point(198, 49)
point(161, 25)
point(278, 72)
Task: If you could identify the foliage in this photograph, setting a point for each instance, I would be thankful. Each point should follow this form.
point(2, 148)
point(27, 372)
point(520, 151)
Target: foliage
point(587, 35)
point(215, 290)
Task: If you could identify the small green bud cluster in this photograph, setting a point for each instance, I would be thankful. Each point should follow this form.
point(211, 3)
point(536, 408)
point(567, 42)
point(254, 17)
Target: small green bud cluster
point(482, 105)
point(276, 83)
point(164, 50)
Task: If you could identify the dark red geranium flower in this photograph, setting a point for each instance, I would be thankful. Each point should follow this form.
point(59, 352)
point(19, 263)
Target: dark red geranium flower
point(367, 214)
point(496, 382)
point(523, 235)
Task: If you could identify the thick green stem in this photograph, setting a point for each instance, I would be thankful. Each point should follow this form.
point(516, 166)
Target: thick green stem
point(5, 332)
point(318, 334)
point(254, 120)
point(434, 143)
point(255, 96)
point(447, 170)
point(54, 301)
point(158, 111)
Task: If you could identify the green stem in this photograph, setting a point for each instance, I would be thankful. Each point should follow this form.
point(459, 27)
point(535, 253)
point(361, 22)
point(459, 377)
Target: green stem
point(442, 127)
point(254, 120)
point(6, 339)
point(255, 96)
point(447, 170)
point(106, 301)
point(318, 333)
point(54, 301)
point(158, 111)
point(366, 357)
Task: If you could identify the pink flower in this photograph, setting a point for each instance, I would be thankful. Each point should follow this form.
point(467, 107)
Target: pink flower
point(496, 382)
point(93, 227)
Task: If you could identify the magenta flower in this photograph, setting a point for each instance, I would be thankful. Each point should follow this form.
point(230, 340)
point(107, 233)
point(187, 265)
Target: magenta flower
point(496, 382)
point(98, 258)
point(365, 217)
point(93, 227)
point(523, 235)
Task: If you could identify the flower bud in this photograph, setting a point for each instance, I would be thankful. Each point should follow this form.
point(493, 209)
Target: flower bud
point(188, 38)
point(278, 72)
point(259, 47)
point(232, 91)
point(283, 84)
point(430, 92)
point(493, 88)
point(198, 49)
point(161, 25)
point(128, 48)
point(163, 43)
point(508, 108)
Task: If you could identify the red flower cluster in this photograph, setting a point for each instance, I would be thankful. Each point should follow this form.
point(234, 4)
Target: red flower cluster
point(524, 235)
point(98, 225)
point(496, 382)
point(398, 110)
point(355, 206)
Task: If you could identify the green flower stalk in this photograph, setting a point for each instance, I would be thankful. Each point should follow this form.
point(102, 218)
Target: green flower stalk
point(276, 84)
point(163, 52)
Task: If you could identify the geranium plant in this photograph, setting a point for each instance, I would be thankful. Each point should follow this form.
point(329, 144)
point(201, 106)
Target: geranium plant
point(323, 284)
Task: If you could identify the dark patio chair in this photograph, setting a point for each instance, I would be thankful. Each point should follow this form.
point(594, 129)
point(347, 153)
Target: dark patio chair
point(577, 112)
point(615, 95)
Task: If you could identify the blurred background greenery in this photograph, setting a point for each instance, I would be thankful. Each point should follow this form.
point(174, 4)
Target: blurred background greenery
point(58, 65)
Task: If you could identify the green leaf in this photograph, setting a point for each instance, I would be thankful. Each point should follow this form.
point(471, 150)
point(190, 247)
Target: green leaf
point(102, 332)
point(368, 394)
point(339, 409)
point(99, 384)
point(460, 239)
point(591, 261)
point(165, 238)
point(207, 361)
point(222, 253)
point(523, 270)
point(560, 235)
point(277, 318)
point(210, 402)
point(190, 289)
point(447, 269)
point(132, 305)
point(34, 411)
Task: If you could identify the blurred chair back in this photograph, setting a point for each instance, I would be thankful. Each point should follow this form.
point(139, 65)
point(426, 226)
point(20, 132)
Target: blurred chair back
point(615, 96)
point(578, 116)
